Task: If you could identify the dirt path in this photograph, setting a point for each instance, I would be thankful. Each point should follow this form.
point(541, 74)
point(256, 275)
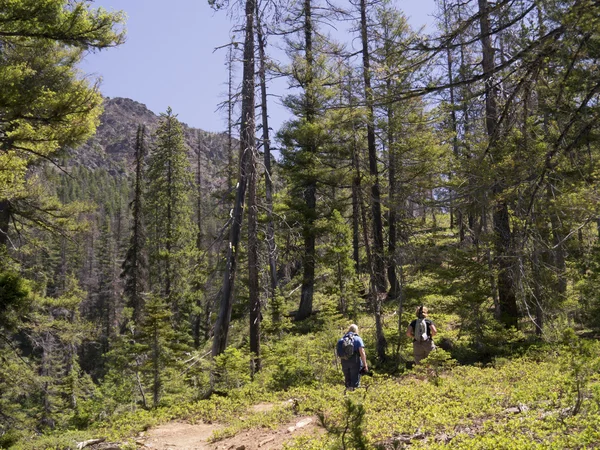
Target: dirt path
point(180, 435)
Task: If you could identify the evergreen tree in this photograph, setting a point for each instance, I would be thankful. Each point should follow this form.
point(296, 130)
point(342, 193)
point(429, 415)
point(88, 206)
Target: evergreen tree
point(336, 256)
point(107, 305)
point(261, 38)
point(378, 254)
point(305, 136)
point(158, 345)
point(55, 332)
point(135, 265)
point(45, 105)
point(169, 217)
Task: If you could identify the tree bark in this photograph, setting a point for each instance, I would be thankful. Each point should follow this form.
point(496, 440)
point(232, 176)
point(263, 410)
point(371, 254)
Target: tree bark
point(5, 214)
point(270, 235)
point(374, 296)
point(507, 300)
point(378, 254)
point(247, 149)
point(394, 291)
point(455, 213)
point(253, 286)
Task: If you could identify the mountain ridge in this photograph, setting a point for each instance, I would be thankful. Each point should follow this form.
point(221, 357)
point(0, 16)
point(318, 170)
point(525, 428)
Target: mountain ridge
point(112, 145)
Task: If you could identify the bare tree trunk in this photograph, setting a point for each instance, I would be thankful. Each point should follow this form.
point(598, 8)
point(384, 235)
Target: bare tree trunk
point(270, 235)
point(230, 105)
point(253, 286)
point(453, 122)
point(5, 214)
point(141, 389)
point(247, 149)
point(355, 220)
point(355, 196)
point(378, 254)
point(374, 296)
point(394, 291)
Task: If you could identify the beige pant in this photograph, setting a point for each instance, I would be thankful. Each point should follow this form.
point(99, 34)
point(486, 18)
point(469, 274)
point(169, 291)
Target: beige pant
point(422, 350)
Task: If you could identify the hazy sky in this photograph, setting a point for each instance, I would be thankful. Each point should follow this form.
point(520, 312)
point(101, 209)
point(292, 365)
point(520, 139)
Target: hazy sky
point(169, 58)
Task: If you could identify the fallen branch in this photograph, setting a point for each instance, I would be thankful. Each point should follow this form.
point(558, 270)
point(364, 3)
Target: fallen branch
point(84, 444)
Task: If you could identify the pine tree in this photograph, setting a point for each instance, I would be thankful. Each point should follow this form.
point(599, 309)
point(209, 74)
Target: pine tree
point(305, 137)
point(158, 345)
point(169, 215)
point(46, 105)
point(135, 265)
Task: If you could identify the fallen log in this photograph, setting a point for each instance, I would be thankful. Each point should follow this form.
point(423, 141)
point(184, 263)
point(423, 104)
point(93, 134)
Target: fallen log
point(89, 442)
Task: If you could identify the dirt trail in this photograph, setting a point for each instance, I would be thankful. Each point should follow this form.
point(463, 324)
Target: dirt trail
point(180, 435)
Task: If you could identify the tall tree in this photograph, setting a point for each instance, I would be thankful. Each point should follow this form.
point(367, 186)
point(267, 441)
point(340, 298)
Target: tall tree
point(507, 300)
point(135, 264)
point(261, 37)
point(377, 222)
point(305, 137)
point(169, 214)
point(247, 151)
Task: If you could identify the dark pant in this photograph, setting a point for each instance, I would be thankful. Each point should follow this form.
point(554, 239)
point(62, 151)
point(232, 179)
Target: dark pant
point(351, 369)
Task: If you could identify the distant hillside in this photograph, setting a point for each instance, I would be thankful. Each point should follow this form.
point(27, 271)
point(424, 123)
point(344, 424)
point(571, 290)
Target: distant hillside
point(112, 146)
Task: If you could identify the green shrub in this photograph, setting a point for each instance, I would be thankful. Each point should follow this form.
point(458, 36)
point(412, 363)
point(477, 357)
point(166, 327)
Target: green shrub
point(435, 364)
point(291, 372)
point(232, 369)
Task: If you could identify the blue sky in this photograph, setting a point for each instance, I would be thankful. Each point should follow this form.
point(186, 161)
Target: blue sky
point(169, 58)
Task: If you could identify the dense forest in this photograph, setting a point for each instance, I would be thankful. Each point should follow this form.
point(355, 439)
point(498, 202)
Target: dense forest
point(150, 271)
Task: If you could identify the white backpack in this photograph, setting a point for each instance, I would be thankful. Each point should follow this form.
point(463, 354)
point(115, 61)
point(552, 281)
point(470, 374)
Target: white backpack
point(421, 330)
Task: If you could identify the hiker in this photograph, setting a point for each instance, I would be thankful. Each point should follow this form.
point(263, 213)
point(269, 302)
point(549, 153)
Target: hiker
point(351, 350)
point(422, 331)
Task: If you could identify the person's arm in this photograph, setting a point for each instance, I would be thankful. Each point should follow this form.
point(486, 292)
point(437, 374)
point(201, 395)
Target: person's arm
point(363, 357)
point(432, 329)
point(410, 332)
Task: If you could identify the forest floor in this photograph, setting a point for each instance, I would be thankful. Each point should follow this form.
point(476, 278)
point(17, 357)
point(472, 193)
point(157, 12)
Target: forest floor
point(182, 435)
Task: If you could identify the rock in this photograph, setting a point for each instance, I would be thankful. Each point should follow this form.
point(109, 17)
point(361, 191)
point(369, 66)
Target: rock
point(304, 422)
point(266, 441)
point(300, 424)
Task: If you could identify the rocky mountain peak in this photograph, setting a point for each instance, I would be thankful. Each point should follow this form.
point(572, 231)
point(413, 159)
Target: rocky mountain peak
point(112, 145)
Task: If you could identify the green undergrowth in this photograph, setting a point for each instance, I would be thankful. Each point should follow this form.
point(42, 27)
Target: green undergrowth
point(547, 398)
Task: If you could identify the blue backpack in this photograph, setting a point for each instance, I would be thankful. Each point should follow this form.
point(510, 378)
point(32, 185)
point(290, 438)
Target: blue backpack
point(345, 346)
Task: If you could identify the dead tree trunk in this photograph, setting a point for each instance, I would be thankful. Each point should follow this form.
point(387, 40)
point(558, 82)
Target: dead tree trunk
point(266, 143)
point(378, 254)
point(247, 149)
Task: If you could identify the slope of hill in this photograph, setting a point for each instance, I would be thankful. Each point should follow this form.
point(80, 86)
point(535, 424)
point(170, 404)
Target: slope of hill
point(112, 146)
